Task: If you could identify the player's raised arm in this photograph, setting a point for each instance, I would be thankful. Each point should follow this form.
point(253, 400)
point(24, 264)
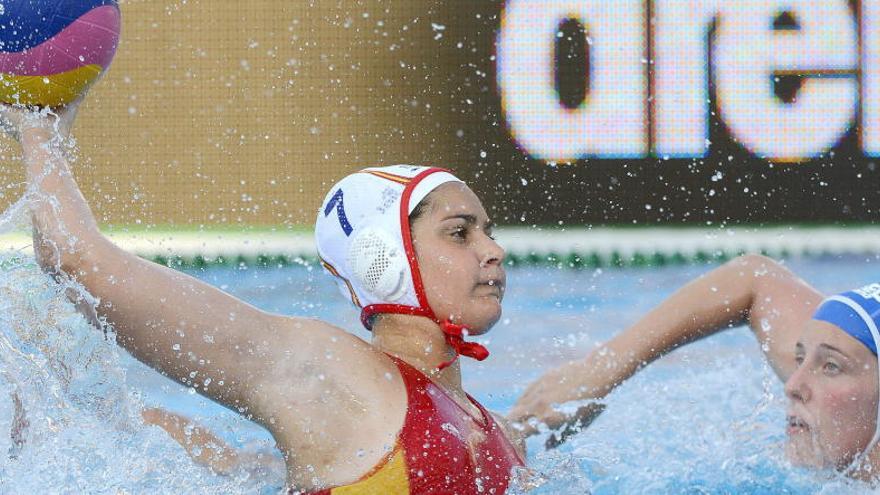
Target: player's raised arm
point(185, 328)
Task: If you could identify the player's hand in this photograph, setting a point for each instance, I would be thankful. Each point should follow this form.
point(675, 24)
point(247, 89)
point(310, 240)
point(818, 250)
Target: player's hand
point(16, 120)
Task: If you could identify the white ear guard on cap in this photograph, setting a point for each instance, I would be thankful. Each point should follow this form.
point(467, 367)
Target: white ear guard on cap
point(360, 238)
point(377, 264)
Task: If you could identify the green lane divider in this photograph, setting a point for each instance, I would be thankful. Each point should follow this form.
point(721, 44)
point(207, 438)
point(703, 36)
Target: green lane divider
point(568, 248)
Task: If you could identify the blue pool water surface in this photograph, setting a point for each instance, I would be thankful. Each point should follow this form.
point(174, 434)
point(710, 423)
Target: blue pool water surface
point(705, 419)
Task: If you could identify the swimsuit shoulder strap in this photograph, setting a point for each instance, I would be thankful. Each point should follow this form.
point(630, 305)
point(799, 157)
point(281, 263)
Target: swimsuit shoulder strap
point(410, 375)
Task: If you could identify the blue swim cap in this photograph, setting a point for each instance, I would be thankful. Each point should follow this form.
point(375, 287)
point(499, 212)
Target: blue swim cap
point(856, 312)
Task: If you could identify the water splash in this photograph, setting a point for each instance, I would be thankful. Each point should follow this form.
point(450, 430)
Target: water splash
point(706, 419)
point(69, 417)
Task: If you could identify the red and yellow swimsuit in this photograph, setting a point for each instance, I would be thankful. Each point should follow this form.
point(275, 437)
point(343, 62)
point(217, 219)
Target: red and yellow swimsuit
point(441, 449)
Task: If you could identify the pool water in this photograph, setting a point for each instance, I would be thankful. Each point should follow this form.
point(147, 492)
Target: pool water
point(705, 419)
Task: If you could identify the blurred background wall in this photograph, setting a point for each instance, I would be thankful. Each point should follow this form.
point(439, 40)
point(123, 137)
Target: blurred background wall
point(219, 112)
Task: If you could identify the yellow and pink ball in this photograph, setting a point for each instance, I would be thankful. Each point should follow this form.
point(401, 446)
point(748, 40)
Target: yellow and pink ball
point(52, 51)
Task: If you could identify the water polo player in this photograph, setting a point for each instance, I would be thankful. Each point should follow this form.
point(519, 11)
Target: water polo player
point(410, 246)
point(825, 351)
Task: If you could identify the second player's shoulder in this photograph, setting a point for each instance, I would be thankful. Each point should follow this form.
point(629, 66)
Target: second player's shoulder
point(775, 285)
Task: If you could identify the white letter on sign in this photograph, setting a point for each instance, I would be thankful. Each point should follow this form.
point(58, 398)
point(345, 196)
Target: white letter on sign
point(681, 76)
point(749, 53)
point(612, 121)
point(871, 77)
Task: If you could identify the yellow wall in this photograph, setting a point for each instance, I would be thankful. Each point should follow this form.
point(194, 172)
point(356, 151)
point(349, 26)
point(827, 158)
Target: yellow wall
point(221, 111)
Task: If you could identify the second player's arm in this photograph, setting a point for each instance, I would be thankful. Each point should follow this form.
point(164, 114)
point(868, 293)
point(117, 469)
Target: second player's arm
point(750, 289)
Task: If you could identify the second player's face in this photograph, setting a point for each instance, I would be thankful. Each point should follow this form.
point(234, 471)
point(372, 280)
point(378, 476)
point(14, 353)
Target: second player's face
point(833, 395)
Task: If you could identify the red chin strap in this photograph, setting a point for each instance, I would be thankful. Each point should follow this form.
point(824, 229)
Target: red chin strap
point(455, 335)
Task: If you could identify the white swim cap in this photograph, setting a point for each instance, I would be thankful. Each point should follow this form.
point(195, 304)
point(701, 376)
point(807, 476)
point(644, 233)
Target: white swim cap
point(363, 239)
